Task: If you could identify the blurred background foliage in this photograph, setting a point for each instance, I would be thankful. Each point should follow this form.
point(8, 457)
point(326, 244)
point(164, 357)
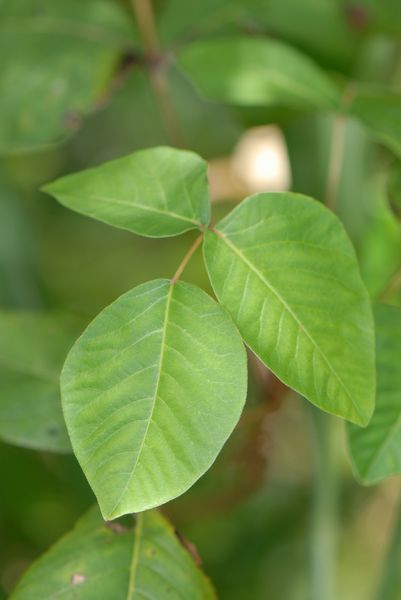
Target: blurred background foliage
point(250, 515)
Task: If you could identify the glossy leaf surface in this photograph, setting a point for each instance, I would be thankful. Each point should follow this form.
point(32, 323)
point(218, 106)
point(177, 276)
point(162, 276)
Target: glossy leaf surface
point(256, 72)
point(376, 449)
point(150, 392)
point(33, 347)
point(95, 561)
point(285, 269)
point(157, 193)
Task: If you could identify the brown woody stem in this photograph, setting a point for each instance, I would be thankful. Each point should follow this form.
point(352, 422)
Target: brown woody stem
point(156, 65)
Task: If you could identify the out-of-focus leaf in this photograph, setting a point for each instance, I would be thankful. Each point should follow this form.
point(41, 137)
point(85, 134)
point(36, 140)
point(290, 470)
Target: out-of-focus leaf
point(380, 112)
point(151, 391)
point(157, 192)
point(376, 450)
point(384, 15)
point(285, 269)
point(394, 190)
point(97, 560)
point(380, 245)
point(33, 347)
point(56, 59)
point(321, 27)
point(18, 284)
point(178, 20)
point(208, 128)
point(255, 71)
point(98, 20)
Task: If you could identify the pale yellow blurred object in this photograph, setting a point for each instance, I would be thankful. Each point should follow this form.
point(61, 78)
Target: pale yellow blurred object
point(259, 163)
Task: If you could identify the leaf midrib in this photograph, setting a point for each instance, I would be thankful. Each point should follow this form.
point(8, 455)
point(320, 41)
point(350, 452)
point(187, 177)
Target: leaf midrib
point(144, 207)
point(156, 393)
point(237, 251)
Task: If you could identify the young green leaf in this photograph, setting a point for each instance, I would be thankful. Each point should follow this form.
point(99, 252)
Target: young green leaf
point(285, 269)
point(380, 112)
point(157, 193)
point(376, 450)
point(256, 71)
point(33, 347)
point(97, 560)
point(151, 391)
point(56, 59)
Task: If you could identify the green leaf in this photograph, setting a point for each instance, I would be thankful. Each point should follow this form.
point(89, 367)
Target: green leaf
point(178, 21)
point(379, 250)
point(157, 192)
point(394, 190)
point(56, 59)
point(376, 450)
point(380, 112)
point(320, 27)
point(285, 269)
point(98, 560)
point(98, 20)
point(151, 391)
point(256, 71)
point(33, 347)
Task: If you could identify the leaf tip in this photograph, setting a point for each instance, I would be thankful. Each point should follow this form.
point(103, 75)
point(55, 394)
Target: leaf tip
point(47, 188)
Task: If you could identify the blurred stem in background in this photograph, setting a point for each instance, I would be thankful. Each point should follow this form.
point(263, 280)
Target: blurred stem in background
point(156, 63)
point(335, 161)
point(392, 287)
point(324, 521)
point(388, 587)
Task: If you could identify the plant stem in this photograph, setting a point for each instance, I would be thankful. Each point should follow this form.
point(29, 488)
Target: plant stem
point(335, 160)
point(388, 588)
point(324, 516)
point(186, 259)
point(147, 28)
point(393, 285)
point(156, 64)
point(325, 506)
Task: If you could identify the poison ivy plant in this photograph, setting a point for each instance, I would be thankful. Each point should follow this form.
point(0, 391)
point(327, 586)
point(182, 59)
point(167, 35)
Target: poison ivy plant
point(33, 347)
point(100, 560)
point(257, 72)
point(151, 390)
point(61, 54)
point(376, 450)
point(157, 382)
